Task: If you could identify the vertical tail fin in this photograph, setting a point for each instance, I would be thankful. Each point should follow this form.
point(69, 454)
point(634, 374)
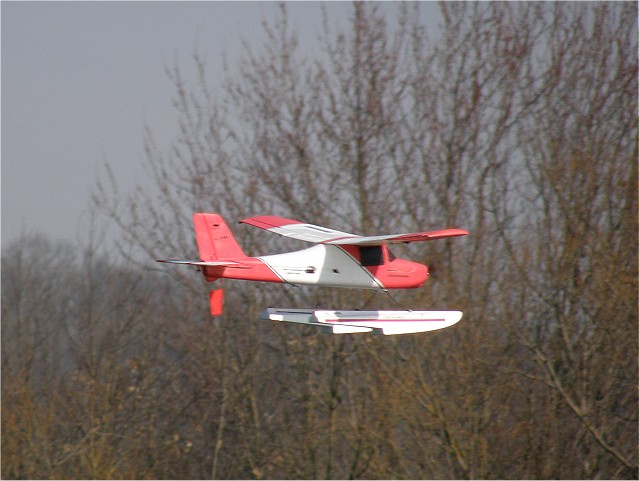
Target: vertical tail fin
point(214, 238)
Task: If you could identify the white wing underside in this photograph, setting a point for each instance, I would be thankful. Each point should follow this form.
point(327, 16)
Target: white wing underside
point(324, 235)
point(311, 233)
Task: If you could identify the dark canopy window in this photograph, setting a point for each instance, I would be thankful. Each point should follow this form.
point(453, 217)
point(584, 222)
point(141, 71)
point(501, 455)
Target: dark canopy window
point(371, 255)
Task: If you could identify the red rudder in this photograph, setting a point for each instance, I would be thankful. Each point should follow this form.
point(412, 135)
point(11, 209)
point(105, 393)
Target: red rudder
point(214, 238)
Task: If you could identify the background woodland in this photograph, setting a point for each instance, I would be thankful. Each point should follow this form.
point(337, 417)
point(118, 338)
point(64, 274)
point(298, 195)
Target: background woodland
point(515, 121)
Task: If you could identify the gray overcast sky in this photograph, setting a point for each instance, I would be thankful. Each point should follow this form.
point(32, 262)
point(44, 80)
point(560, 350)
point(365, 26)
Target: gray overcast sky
point(81, 79)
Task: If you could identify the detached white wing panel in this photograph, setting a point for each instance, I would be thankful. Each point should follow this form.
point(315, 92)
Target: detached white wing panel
point(382, 322)
point(391, 322)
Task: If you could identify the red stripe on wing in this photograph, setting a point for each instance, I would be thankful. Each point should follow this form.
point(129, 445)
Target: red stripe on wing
point(361, 320)
point(423, 236)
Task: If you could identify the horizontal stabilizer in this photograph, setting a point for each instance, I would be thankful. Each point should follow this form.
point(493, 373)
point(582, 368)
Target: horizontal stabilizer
point(351, 321)
point(199, 263)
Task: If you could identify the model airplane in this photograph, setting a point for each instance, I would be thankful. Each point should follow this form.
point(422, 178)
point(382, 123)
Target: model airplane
point(338, 259)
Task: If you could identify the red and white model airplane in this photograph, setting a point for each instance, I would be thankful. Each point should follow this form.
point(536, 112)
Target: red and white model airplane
point(338, 259)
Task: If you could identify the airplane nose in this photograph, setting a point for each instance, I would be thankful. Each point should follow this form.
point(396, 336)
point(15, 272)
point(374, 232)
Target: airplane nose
point(422, 274)
point(402, 274)
point(418, 273)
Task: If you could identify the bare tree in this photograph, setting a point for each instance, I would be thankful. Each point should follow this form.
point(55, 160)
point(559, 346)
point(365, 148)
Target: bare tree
point(581, 163)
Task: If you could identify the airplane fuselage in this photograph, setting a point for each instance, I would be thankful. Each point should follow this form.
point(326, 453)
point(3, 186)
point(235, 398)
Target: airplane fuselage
point(367, 267)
